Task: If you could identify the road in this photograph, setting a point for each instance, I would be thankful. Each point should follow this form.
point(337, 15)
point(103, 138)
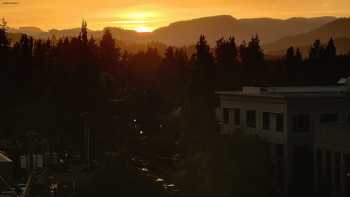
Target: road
point(120, 178)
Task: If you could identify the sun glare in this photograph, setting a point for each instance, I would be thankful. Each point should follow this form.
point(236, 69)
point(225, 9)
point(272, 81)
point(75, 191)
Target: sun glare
point(143, 29)
point(140, 21)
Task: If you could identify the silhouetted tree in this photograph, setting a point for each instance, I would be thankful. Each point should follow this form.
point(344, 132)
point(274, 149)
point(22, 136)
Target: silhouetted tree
point(293, 61)
point(330, 51)
point(227, 69)
point(226, 52)
point(290, 55)
point(172, 73)
point(298, 56)
point(255, 55)
point(84, 33)
point(109, 52)
point(253, 61)
point(4, 42)
point(6, 83)
point(316, 51)
point(243, 53)
point(199, 108)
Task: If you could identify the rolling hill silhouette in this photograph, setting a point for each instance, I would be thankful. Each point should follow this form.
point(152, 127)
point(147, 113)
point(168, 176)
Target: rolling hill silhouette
point(269, 30)
point(187, 32)
point(338, 29)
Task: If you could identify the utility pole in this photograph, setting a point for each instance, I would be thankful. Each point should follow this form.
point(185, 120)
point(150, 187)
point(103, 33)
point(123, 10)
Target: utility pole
point(86, 137)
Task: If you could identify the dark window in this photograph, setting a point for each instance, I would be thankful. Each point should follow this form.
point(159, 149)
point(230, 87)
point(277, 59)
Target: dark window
point(328, 166)
point(251, 118)
point(237, 116)
point(226, 115)
point(329, 117)
point(337, 170)
point(279, 122)
point(302, 123)
point(319, 165)
point(266, 120)
point(347, 172)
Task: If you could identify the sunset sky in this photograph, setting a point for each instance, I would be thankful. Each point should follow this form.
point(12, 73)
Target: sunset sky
point(146, 15)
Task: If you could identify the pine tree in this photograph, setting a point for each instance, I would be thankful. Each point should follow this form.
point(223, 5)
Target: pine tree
point(330, 51)
point(226, 52)
point(109, 53)
point(255, 54)
point(298, 57)
point(243, 53)
point(4, 42)
point(226, 55)
point(201, 102)
point(290, 55)
point(316, 51)
point(84, 33)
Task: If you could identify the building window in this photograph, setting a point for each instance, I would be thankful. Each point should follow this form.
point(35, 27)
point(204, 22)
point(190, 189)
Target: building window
point(347, 172)
point(302, 123)
point(237, 116)
point(251, 118)
point(226, 115)
point(337, 170)
point(266, 120)
point(279, 122)
point(328, 118)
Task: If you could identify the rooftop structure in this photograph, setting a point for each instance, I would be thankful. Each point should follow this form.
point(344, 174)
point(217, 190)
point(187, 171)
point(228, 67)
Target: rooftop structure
point(4, 158)
point(306, 127)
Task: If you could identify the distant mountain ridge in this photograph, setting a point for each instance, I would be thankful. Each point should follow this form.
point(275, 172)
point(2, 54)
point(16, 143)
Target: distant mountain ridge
point(338, 29)
point(269, 30)
point(214, 27)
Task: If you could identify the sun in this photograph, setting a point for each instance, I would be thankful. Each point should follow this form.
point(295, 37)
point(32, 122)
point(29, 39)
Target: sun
point(143, 29)
point(140, 21)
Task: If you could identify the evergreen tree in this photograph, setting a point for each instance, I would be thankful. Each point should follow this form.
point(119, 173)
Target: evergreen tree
point(293, 62)
point(298, 57)
point(255, 54)
point(330, 51)
point(201, 102)
point(172, 76)
point(316, 51)
point(4, 42)
point(226, 52)
point(290, 55)
point(227, 69)
point(243, 53)
point(84, 33)
point(253, 61)
point(109, 53)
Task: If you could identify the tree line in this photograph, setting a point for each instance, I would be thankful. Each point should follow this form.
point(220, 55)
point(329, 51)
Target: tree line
point(63, 78)
point(80, 73)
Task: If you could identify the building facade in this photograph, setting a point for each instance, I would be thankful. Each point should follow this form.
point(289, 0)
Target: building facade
point(307, 128)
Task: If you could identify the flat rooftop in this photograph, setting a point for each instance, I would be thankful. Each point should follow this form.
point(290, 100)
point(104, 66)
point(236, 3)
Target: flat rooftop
point(291, 92)
point(4, 158)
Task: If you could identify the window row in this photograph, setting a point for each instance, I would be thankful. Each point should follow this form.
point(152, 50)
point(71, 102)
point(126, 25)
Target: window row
point(251, 119)
point(332, 117)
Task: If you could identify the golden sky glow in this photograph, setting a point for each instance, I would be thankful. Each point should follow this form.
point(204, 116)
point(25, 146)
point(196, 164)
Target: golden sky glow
point(147, 15)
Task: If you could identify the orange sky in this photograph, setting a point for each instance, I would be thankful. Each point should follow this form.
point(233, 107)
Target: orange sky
point(146, 15)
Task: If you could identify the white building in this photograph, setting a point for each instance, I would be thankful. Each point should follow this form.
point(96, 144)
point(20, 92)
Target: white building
point(308, 129)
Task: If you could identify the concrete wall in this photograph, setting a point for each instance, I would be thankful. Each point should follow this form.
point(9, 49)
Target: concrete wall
point(259, 105)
